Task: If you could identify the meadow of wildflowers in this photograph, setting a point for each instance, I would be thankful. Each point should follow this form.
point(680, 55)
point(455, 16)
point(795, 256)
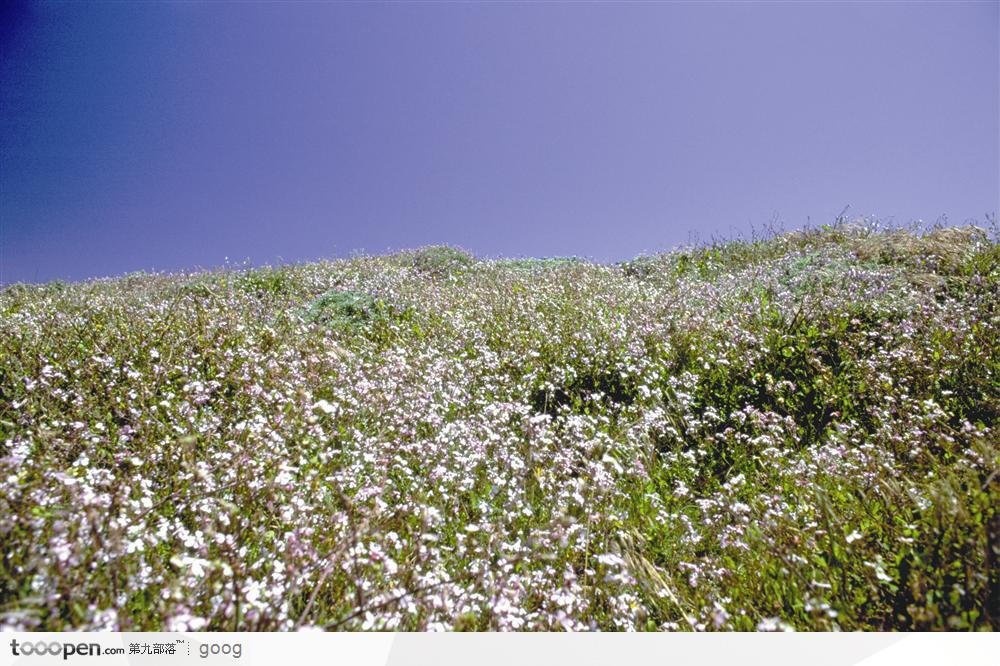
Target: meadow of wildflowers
point(791, 433)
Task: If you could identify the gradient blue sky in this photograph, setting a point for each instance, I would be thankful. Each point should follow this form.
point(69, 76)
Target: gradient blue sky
point(168, 136)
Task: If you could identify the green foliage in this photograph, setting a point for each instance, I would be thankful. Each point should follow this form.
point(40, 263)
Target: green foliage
point(269, 282)
point(201, 287)
point(349, 310)
point(439, 261)
point(797, 431)
point(14, 297)
point(587, 392)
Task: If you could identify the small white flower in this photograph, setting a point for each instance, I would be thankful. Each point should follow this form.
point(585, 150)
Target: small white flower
point(610, 560)
point(614, 463)
point(720, 615)
point(879, 572)
point(325, 407)
point(768, 624)
point(184, 622)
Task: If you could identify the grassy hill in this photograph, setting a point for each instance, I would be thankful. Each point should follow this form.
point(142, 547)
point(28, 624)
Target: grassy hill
point(798, 432)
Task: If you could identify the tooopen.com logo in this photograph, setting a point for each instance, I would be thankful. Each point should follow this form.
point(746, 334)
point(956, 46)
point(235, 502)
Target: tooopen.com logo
point(54, 649)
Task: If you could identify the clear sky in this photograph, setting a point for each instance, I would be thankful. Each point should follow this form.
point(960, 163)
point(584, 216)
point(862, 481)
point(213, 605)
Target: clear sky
point(140, 136)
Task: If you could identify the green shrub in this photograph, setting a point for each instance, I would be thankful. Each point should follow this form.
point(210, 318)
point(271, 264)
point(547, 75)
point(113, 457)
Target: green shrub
point(200, 287)
point(439, 261)
point(268, 282)
point(344, 309)
point(641, 268)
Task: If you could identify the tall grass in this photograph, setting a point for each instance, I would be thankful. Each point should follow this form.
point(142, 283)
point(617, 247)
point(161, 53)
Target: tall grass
point(792, 432)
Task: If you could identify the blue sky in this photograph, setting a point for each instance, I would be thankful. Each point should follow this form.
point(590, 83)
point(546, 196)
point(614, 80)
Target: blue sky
point(171, 136)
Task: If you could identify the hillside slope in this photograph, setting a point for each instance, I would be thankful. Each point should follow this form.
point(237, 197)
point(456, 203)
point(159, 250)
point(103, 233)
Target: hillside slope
point(792, 433)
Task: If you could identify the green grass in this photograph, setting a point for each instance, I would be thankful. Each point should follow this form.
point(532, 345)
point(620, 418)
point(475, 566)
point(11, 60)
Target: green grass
point(796, 432)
